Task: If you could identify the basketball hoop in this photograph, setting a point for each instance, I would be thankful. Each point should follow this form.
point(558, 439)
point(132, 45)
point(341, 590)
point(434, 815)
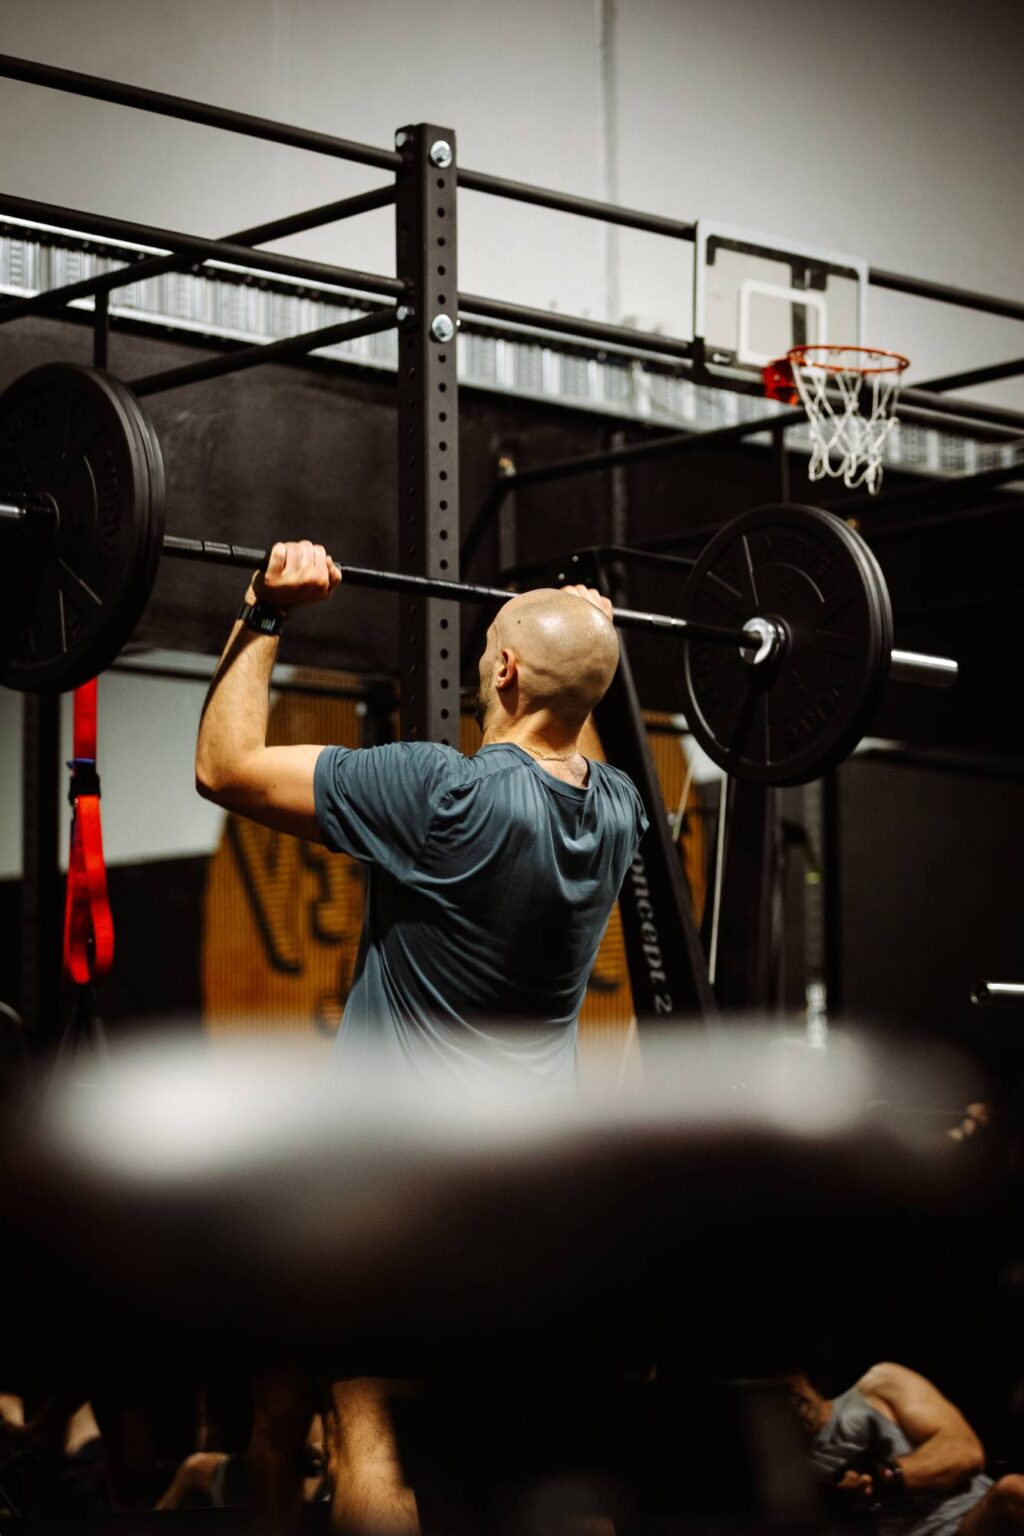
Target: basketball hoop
point(849, 394)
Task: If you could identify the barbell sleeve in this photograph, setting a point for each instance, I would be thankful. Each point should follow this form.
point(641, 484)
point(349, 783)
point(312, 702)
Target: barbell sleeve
point(998, 994)
point(33, 519)
point(926, 671)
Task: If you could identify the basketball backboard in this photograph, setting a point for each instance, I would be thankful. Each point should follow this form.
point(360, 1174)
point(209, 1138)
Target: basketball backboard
point(755, 297)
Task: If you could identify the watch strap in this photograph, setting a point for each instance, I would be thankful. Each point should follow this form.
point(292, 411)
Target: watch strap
point(262, 618)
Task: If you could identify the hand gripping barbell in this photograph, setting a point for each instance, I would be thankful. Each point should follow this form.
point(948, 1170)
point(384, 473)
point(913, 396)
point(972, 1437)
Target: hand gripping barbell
point(786, 613)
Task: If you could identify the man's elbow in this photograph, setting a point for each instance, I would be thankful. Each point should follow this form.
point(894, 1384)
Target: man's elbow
point(212, 783)
point(204, 788)
point(233, 783)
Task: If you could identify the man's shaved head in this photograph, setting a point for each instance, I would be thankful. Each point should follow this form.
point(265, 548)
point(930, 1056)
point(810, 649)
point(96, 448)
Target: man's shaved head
point(564, 651)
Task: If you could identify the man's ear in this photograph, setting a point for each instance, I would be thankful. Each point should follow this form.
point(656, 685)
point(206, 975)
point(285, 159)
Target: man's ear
point(507, 670)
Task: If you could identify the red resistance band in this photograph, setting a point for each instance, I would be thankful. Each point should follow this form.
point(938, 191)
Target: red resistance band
point(88, 925)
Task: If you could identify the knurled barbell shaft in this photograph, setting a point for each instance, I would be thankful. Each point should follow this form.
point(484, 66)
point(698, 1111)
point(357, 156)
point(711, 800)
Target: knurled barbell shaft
point(906, 666)
point(214, 553)
point(452, 591)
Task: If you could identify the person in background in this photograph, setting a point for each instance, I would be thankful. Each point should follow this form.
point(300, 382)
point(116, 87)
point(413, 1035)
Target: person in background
point(892, 1445)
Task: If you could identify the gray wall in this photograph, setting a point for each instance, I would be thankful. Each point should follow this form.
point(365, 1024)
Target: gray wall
point(146, 745)
point(886, 128)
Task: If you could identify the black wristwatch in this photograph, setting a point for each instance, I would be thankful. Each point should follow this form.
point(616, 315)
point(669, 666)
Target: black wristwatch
point(262, 618)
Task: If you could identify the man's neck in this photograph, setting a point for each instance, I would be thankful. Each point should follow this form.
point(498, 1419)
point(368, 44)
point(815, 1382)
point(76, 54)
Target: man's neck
point(547, 740)
point(553, 750)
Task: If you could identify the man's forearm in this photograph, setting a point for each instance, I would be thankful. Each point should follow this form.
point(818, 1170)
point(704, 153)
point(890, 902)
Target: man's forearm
point(234, 719)
point(234, 765)
point(941, 1462)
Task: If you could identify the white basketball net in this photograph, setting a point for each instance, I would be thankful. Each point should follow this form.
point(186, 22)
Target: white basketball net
point(849, 394)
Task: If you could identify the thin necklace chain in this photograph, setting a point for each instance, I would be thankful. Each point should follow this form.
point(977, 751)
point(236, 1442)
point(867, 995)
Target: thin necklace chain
point(550, 757)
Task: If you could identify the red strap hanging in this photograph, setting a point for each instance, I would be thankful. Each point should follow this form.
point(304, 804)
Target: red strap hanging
point(88, 925)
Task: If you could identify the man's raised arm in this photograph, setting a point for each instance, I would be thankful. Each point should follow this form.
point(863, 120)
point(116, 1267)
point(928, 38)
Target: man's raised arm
point(234, 766)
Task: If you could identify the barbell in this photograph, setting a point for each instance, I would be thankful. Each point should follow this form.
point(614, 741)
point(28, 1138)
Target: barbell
point(786, 613)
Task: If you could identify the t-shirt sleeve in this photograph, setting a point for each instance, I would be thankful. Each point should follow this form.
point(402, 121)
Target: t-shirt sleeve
point(642, 822)
point(377, 803)
point(632, 799)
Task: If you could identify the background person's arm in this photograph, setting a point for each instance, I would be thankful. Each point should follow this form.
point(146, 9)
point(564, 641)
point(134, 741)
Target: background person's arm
point(234, 765)
point(947, 1452)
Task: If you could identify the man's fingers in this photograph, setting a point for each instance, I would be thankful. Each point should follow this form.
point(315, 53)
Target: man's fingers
point(327, 573)
point(602, 603)
point(297, 572)
point(599, 600)
point(857, 1484)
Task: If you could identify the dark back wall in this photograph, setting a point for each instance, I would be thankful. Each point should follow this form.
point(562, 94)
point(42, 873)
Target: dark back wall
point(930, 904)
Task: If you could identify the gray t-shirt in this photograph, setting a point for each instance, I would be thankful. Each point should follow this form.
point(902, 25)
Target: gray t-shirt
point(855, 1427)
point(491, 883)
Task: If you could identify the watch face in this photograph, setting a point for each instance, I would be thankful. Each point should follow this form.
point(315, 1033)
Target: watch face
point(265, 621)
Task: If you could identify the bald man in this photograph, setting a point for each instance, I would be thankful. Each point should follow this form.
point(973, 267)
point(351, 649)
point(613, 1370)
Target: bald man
point(492, 877)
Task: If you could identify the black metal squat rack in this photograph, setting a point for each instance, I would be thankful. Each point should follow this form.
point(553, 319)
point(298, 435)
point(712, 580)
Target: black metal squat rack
point(424, 307)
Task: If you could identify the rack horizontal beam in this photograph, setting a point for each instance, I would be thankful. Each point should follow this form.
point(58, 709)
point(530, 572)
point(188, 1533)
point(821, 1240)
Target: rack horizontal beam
point(199, 248)
point(32, 72)
point(623, 337)
point(182, 107)
point(657, 447)
point(266, 352)
point(51, 299)
point(567, 202)
point(970, 377)
point(946, 293)
point(953, 409)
